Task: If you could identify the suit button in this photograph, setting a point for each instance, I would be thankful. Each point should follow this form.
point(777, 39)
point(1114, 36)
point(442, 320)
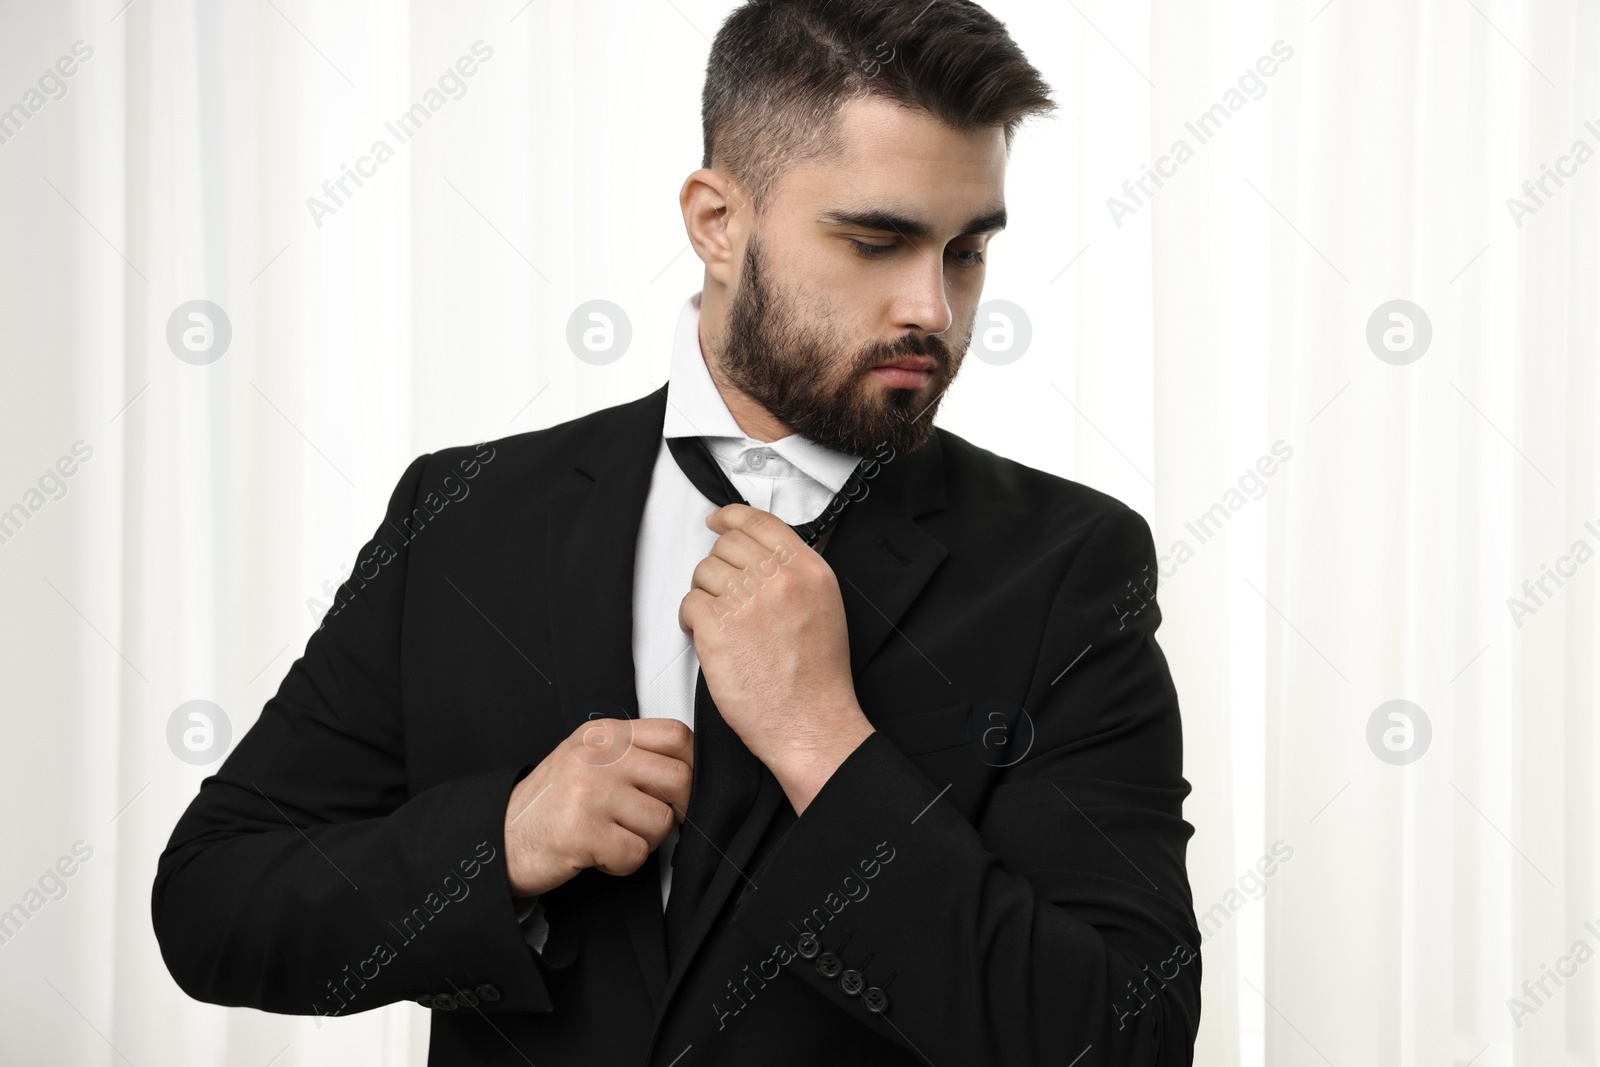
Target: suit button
point(876, 1000)
point(851, 983)
point(426, 1000)
point(467, 998)
point(489, 993)
point(829, 965)
point(808, 946)
point(444, 1002)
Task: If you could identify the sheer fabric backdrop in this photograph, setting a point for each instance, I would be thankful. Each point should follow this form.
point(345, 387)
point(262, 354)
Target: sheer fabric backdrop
point(1354, 509)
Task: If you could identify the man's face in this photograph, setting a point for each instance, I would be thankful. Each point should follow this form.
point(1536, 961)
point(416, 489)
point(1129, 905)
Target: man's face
point(875, 259)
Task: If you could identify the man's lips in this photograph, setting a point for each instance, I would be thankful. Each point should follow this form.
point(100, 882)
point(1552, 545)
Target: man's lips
point(900, 376)
point(907, 372)
point(912, 363)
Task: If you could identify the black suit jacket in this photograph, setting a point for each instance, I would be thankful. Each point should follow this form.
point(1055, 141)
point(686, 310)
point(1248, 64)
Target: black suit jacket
point(995, 876)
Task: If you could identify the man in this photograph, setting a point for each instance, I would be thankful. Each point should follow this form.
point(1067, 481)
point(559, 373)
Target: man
point(886, 768)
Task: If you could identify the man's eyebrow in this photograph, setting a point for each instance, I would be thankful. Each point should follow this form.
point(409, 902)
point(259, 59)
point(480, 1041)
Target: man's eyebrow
point(894, 222)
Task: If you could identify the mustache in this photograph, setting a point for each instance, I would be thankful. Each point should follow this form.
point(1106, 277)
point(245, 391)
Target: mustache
point(909, 345)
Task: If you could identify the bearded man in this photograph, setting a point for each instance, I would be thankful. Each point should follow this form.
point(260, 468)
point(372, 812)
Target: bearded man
point(756, 720)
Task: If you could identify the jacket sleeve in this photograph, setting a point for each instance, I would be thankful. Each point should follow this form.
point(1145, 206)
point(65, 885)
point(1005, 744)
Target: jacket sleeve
point(305, 877)
point(1058, 920)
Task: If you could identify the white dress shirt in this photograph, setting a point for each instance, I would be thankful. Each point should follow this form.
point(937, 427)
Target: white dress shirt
point(792, 477)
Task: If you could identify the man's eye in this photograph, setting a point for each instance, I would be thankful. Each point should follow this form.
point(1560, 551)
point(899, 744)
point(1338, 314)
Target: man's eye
point(870, 250)
point(967, 257)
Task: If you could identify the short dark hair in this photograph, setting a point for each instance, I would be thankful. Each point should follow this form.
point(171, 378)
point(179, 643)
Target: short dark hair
point(780, 70)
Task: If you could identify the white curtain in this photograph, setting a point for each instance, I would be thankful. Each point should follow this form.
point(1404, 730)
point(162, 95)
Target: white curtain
point(1359, 502)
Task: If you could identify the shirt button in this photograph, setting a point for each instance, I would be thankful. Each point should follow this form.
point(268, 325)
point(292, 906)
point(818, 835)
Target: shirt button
point(829, 965)
point(876, 1000)
point(757, 458)
point(808, 946)
point(851, 983)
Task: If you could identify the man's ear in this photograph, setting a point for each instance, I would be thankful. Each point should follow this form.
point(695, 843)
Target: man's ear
point(715, 214)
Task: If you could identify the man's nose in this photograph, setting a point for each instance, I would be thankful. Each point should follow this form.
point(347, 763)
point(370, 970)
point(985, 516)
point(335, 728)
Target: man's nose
point(923, 304)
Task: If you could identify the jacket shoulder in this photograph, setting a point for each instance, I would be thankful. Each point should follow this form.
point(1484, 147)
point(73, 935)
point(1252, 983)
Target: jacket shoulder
point(558, 446)
point(979, 481)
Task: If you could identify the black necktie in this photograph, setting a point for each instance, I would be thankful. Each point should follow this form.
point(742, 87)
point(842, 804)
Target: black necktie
point(726, 775)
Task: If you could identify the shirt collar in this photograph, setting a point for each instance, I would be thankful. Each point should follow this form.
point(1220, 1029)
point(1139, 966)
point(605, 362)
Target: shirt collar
point(696, 409)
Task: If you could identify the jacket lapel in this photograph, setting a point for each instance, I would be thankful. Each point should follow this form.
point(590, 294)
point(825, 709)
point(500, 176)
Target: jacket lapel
point(881, 555)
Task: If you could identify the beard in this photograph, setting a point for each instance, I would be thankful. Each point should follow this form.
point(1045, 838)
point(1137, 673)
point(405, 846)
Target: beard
point(817, 384)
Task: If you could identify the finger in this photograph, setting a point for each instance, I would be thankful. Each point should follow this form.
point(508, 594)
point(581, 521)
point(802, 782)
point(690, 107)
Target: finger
point(695, 609)
point(619, 851)
point(648, 816)
point(748, 519)
point(666, 736)
point(719, 577)
point(736, 522)
point(602, 740)
point(752, 548)
point(662, 777)
point(729, 516)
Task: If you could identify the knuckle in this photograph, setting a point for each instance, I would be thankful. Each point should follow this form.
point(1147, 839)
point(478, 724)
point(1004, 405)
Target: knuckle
point(580, 791)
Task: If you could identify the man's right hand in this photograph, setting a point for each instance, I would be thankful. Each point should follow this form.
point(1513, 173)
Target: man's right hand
point(606, 798)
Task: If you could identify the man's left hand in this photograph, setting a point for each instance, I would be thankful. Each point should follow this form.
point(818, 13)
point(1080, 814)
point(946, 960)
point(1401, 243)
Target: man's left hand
point(769, 629)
